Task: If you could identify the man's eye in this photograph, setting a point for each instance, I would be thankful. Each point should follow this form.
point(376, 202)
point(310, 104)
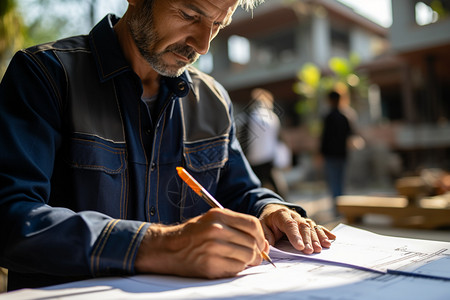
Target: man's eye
point(187, 17)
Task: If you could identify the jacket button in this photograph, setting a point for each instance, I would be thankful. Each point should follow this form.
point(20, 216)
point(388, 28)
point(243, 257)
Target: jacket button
point(148, 131)
point(181, 85)
point(153, 167)
point(152, 211)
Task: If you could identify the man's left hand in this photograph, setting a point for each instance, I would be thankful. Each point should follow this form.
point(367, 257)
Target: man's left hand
point(304, 234)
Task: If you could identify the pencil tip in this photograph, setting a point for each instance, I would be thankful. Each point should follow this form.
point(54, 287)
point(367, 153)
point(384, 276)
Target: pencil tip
point(267, 257)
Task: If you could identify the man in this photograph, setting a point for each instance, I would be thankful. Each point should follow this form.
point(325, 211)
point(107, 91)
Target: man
point(336, 131)
point(93, 128)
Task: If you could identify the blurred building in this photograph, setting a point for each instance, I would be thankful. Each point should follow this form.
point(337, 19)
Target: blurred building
point(269, 46)
point(414, 82)
point(407, 109)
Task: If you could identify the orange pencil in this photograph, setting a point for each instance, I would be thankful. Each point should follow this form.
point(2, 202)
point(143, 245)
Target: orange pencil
point(202, 192)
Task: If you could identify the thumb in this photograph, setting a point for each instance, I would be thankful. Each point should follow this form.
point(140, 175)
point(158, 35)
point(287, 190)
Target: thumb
point(268, 234)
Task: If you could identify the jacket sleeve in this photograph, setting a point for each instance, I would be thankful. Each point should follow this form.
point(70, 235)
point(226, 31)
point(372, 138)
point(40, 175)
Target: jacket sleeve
point(36, 237)
point(239, 188)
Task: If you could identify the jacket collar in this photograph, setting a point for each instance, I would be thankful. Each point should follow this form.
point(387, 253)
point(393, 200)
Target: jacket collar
point(106, 49)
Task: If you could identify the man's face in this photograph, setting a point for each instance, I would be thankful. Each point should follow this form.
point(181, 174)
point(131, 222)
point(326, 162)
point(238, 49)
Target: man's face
point(172, 34)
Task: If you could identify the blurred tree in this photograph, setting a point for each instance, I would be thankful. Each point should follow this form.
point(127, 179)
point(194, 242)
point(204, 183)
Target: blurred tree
point(312, 86)
point(52, 19)
point(28, 22)
point(12, 32)
point(15, 33)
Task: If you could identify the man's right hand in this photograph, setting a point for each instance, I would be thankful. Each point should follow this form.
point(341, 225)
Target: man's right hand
point(218, 244)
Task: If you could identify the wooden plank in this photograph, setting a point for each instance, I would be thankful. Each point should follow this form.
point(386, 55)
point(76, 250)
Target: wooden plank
point(397, 208)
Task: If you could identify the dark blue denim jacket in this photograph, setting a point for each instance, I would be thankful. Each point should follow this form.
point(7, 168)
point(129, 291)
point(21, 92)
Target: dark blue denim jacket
point(85, 169)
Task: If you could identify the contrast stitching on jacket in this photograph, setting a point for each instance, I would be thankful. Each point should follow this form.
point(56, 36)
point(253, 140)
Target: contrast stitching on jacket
point(101, 67)
point(207, 166)
point(101, 167)
point(96, 253)
point(51, 48)
point(127, 262)
point(157, 165)
point(96, 257)
point(118, 108)
point(124, 198)
point(147, 179)
point(98, 167)
point(121, 198)
point(100, 145)
point(66, 96)
point(124, 187)
point(207, 146)
point(100, 137)
point(46, 74)
point(225, 135)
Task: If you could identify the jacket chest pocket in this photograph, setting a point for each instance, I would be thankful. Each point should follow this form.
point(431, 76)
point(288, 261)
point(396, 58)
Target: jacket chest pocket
point(203, 156)
point(204, 161)
point(99, 175)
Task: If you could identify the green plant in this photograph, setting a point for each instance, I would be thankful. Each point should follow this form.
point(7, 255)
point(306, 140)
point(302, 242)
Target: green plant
point(313, 84)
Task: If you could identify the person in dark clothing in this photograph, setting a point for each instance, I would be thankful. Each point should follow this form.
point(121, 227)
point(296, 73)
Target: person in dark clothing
point(333, 147)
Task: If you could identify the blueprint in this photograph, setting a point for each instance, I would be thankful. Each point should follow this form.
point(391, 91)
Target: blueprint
point(295, 276)
point(362, 249)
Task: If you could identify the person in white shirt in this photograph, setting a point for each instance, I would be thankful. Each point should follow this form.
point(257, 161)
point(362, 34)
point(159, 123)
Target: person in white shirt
point(263, 139)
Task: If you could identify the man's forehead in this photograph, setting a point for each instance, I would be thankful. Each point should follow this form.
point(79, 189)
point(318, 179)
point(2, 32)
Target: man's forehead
point(225, 6)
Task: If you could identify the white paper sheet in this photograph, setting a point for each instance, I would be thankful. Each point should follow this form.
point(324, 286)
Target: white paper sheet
point(294, 278)
point(360, 248)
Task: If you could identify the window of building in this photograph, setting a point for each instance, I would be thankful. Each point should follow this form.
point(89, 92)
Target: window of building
point(279, 47)
point(239, 49)
point(340, 42)
point(431, 11)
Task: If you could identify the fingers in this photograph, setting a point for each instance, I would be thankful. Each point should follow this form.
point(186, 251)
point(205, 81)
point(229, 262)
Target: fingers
point(315, 240)
point(242, 234)
point(324, 235)
point(303, 233)
point(328, 233)
point(218, 258)
point(268, 234)
point(314, 237)
point(218, 244)
point(240, 225)
point(296, 229)
point(308, 236)
point(320, 236)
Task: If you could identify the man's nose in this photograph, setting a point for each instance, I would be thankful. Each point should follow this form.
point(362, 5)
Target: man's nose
point(200, 39)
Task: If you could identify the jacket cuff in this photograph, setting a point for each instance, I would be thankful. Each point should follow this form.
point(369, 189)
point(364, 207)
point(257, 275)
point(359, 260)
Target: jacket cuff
point(115, 251)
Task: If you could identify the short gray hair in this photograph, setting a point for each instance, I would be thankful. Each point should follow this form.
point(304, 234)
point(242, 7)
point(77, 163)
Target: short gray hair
point(249, 4)
point(245, 4)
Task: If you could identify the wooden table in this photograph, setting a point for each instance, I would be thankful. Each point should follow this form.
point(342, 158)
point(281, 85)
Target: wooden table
point(428, 213)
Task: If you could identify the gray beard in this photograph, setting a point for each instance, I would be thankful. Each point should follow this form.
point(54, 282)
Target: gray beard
point(145, 37)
